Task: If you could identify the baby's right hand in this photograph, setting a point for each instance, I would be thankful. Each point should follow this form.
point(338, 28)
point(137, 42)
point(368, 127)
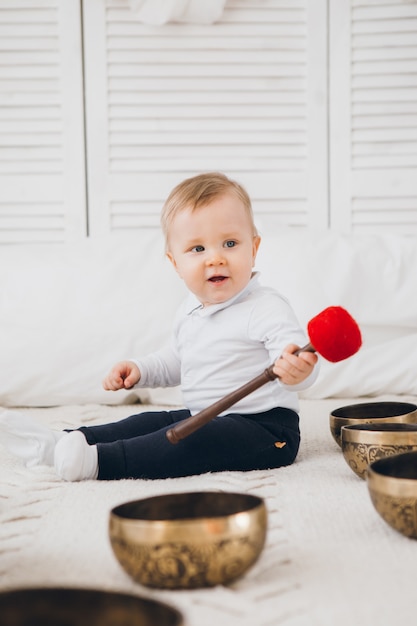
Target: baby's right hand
point(122, 376)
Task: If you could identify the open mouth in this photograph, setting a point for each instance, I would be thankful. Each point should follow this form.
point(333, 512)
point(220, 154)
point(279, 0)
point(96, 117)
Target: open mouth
point(217, 279)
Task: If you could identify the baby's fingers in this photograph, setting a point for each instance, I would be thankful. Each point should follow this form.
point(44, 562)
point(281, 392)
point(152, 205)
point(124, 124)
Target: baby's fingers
point(292, 369)
point(287, 368)
point(112, 383)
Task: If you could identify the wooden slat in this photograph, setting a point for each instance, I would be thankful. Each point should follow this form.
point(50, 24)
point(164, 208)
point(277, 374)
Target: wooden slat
point(23, 43)
point(394, 148)
point(30, 167)
point(384, 121)
point(175, 100)
point(196, 163)
point(239, 55)
point(228, 150)
point(384, 161)
point(392, 26)
point(395, 108)
point(384, 54)
point(380, 11)
point(220, 29)
point(41, 133)
point(221, 124)
point(33, 5)
point(384, 127)
point(384, 66)
point(148, 41)
point(29, 112)
point(257, 97)
point(139, 73)
point(20, 31)
point(35, 127)
point(405, 38)
point(265, 111)
point(34, 13)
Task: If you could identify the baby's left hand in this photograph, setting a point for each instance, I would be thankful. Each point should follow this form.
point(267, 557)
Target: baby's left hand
point(292, 369)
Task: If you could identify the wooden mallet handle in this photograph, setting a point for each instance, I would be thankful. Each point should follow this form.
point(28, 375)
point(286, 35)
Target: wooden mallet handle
point(333, 333)
point(194, 422)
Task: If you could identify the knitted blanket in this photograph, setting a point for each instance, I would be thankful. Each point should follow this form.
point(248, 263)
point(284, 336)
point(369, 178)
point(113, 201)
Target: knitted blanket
point(329, 558)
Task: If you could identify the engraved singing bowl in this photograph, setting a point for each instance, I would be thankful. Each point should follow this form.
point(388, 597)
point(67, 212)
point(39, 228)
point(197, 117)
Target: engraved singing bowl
point(78, 607)
point(392, 485)
point(371, 413)
point(362, 444)
point(188, 540)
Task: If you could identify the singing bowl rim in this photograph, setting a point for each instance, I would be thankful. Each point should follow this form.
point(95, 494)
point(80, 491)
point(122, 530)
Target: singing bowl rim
point(252, 499)
point(42, 599)
point(388, 433)
point(237, 519)
point(366, 412)
point(382, 480)
point(369, 410)
point(393, 470)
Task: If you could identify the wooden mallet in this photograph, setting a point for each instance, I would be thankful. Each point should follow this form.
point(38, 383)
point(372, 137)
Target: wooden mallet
point(333, 333)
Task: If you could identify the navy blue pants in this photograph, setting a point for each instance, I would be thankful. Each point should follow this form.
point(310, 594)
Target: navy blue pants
point(137, 447)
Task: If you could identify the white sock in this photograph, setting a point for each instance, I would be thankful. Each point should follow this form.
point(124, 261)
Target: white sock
point(75, 459)
point(34, 443)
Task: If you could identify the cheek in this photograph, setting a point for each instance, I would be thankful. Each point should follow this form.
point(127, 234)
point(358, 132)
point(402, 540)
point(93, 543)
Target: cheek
point(185, 270)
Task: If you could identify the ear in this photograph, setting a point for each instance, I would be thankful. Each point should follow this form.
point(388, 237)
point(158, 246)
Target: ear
point(170, 256)
point(255, 247)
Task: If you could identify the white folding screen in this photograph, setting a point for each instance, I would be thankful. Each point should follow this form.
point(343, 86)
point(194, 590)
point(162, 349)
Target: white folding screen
point(311, 104)
point(246, 95)
point(42, 174)
point(373, 115)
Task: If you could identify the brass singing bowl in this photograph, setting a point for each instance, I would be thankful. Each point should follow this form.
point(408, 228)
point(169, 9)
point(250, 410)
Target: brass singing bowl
point(371, 413)
point(392, 485)
point(362, 444)
point(78, 607)
point(188, 540)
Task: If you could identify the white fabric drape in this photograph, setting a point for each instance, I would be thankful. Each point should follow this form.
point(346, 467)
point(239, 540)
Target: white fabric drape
point(158, 12)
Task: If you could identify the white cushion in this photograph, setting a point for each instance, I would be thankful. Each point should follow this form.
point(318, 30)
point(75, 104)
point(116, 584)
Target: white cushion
point(375, 278)
point(68, 312)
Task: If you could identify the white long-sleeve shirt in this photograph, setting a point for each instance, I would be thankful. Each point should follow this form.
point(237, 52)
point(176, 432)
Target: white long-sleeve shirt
point(216, 349)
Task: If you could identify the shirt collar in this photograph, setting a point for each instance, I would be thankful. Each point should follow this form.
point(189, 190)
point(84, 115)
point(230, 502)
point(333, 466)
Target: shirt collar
point(193, 304)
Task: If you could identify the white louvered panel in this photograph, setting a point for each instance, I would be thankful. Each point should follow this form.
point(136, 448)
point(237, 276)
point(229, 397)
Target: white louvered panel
point(381, 138)
point(396, 213)
point(290, 211)
point(42, 195)
point(182, 99)
point(374, 101)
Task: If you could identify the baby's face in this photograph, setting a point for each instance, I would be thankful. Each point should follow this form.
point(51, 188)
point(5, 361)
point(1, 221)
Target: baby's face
point(213, 249)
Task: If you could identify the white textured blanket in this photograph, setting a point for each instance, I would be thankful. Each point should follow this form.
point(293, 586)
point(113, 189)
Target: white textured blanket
point(329, 558)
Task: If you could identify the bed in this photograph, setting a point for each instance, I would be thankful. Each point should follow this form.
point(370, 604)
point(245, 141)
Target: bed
point(329, 558)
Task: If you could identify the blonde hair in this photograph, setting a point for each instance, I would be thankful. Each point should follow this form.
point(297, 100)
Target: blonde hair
point(199, 191)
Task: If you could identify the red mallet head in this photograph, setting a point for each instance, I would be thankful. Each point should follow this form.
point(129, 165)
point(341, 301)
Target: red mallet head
point(334, 334)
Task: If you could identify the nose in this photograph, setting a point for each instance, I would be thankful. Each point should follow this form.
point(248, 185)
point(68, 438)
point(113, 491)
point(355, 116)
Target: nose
point(215, 257)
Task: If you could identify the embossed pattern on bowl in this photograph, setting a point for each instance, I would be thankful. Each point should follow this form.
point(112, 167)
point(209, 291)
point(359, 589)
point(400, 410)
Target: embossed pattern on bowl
point(362, 444)
point(392, 485)
point(371, 413)
point(188, 540)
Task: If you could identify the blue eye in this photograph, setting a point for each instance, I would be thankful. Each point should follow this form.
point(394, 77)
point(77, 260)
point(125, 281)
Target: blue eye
point(197, 249)
point(230, 244)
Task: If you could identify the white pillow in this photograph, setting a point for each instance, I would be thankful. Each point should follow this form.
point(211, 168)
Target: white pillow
point(68, 312)
point(375, 278)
